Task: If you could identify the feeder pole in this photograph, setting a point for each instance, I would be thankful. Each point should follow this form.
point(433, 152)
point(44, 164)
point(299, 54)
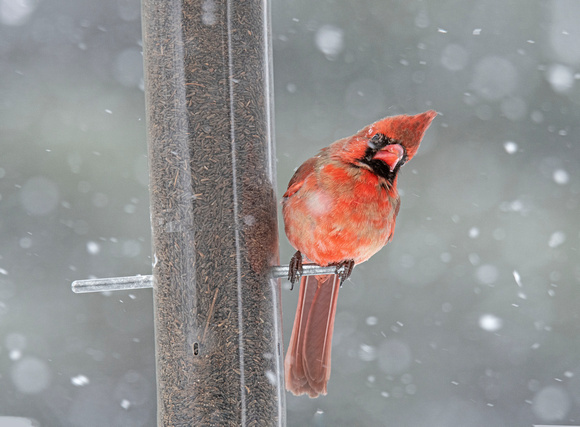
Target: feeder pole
point(213, 212)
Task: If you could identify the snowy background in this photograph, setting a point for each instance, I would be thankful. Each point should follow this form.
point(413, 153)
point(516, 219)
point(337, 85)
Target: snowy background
point(469, 317)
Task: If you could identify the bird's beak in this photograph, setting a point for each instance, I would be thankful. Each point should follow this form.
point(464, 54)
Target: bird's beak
point(392, 155)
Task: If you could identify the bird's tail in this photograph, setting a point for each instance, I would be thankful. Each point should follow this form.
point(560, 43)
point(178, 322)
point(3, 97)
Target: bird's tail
point(307, 363)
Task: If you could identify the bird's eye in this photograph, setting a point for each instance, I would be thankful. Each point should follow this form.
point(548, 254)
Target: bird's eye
point(375, 141)
point(379, 141)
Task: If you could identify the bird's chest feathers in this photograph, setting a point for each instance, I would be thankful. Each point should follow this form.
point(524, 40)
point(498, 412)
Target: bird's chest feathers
point(355, 188)
point(341, 213)
point(350, 215)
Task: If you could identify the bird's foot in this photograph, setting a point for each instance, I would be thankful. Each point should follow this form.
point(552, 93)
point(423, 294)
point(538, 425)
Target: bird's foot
point(295, 268)
point(344, 270)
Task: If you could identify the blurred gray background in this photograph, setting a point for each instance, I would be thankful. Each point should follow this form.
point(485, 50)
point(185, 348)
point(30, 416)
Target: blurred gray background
point(469, 317)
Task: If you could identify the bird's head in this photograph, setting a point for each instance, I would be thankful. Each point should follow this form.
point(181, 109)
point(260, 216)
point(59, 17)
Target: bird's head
point(384, 146)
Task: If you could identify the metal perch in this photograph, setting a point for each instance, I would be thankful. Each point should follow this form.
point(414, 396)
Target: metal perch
point(146, 282)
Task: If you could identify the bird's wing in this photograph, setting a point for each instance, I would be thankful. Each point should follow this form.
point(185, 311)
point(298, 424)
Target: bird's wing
point(300, 176)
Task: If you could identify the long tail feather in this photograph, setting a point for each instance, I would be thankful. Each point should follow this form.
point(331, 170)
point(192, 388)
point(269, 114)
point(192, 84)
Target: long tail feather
point(307, 361)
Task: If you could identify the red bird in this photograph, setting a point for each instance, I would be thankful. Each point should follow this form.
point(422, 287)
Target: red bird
point(339, 210)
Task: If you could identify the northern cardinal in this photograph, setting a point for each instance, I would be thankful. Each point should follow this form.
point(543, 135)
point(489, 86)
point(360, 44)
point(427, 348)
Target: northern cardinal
point(339, 210)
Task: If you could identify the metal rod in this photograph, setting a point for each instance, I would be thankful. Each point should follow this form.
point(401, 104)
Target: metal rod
point(112, 284)
point(281, 271)
point(146, 282)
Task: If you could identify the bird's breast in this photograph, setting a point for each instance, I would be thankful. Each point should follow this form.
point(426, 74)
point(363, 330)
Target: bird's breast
point(340, 221)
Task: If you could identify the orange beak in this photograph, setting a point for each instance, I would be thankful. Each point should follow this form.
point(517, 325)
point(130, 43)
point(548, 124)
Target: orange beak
point(392, 155)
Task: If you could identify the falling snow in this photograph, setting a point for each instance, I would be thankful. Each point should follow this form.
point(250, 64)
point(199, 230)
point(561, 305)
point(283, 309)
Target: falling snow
point(208, 16)
point(371, 320)
point(561, 177)
point(329, 40)
point(15, 13)
point(551, 404)
point(39, 196)
point(474, 232)
point(560, 77)
point(494, 78)
point(30, 375)
point(487, 274)
point(367, 353)
point(271, 376)
point(517, 278)
point(510, 147)
point(490, 323)
point(454, 57)
point(556, 239)
point(79, 380)
point(93, 248)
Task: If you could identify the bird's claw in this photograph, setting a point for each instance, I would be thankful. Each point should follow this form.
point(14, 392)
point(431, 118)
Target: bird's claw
point(344, 270)
point(295, 269)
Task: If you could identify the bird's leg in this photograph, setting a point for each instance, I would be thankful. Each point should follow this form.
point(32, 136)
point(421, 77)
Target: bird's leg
point(344, 269)
point(295, 268)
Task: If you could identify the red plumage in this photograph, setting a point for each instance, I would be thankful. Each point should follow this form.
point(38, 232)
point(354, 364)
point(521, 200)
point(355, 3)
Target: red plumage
point(340, 209)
